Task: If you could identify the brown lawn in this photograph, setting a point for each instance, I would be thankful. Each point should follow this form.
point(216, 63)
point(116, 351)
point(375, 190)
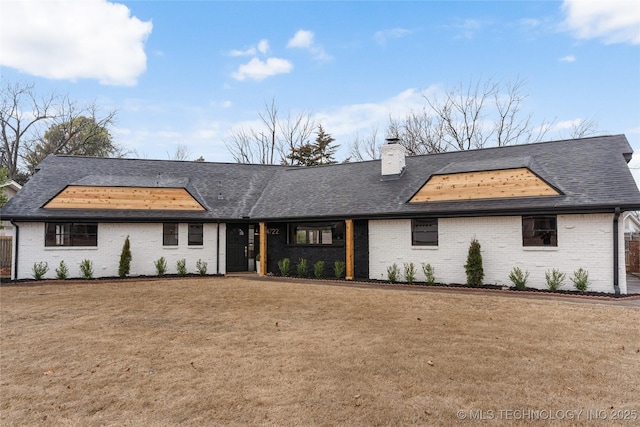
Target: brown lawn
point(234, 351)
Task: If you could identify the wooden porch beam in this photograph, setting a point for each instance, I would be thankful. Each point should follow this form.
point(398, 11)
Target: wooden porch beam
point(349, 250)
point(263, 248)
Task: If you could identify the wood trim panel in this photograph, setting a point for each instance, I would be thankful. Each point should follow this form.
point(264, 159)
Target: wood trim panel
point(129, 198)
point(496, 184)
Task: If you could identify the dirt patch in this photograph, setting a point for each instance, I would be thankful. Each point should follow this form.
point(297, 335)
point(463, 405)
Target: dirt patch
point(228, 351)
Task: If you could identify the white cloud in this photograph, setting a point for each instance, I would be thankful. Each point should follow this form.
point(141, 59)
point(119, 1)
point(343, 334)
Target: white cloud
point(615, 21)
point(304, 39)
point(568, 58)
point(263, 47)
point(568, 124)
point(257, 69)
point(383, 36)
point(58, 39)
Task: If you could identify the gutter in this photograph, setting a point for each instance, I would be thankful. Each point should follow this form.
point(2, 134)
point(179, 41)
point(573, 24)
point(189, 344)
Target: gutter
point(15, 261)
point(616, 261)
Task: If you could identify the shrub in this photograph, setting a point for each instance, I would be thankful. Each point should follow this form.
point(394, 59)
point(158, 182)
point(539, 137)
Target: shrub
point(284, 265)
point(201, 266)
point(62, 272)
point(161, 266)
point(429, 274)
point(181, 266)
point(86, 268)
point(554, 279)
point(318, 269)
point(39, 270)
point(125, 259)
point(518, 278)
point(338, 269)
point(580, 279)
point(392, 273)
point(301, 268)
point(473, 267)
point(409, 272)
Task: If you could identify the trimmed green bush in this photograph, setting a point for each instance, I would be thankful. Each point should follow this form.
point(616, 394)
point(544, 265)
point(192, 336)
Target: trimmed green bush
point(554, 279)
point(86, 268)
point(518, 278)
point(39, 269)
point(338, 269)
point(318, 269)
point(161, 266)
point(392, 273)
point(62, 272)
point(473, 267)
point(409, 272)
point(429, 274)
point(181, 266)
point(201, 266)
point(302, 268)
point(284, 265)
point(580, 279)
point(125, 259)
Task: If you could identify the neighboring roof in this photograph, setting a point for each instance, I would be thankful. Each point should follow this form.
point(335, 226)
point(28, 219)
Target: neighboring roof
point(12, 185)
point(591, 174)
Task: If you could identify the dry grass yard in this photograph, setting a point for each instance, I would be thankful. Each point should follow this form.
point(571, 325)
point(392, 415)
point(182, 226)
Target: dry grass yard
point(236, 352)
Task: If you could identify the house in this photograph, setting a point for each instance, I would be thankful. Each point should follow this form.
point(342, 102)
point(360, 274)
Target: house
point(631, 226)
point(9, 189)
point(538, 206)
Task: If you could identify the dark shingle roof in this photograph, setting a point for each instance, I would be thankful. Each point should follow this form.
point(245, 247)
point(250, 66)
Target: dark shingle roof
point(591, 173)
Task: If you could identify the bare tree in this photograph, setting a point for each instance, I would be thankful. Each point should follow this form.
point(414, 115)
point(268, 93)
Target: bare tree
point(480, 114)
point(182, 153)
point(295, 131)
point(367, 148)
point(583, 128)
point(21, 113)
point(273, 141)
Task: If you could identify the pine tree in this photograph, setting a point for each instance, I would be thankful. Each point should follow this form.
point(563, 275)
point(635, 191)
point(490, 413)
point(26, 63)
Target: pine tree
point(125, 259)
point(313, 154)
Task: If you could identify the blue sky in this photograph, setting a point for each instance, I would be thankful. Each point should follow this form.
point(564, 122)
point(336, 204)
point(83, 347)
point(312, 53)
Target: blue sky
point(189, 73)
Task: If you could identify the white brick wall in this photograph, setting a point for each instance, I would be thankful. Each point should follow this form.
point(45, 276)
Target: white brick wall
point(146, 247)
point(583, 241)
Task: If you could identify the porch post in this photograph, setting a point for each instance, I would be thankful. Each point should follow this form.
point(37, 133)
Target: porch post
point(349, 249)
point(263, 248)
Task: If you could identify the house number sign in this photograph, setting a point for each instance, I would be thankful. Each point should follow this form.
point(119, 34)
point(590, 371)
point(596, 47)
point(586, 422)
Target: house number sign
point(273, 231)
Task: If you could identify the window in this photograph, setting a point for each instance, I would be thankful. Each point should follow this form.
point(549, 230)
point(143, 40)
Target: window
point(317, 233)
point(424, 232)
point(540, 230)
point(170, 234)
point(70, 234)
point(195, 235)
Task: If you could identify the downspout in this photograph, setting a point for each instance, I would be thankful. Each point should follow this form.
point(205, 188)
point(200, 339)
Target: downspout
point(616, 278)
point(218, 249)
point(15, 261)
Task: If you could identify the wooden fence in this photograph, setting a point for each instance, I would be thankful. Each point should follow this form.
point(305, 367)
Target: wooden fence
point(632, 256)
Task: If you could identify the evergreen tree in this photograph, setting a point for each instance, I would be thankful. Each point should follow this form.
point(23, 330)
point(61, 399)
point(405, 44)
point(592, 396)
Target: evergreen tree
point(320, 152)
point(473, 267)
point(125, 259)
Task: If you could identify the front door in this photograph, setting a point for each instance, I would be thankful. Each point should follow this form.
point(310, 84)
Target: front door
point(237, 247)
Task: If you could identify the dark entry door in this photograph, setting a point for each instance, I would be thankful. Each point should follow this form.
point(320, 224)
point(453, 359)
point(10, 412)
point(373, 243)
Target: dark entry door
point(237, 247)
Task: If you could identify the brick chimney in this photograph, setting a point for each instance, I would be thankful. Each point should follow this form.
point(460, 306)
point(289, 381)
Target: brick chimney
point(393, 158)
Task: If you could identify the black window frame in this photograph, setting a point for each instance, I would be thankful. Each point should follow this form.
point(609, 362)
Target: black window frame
point(170, 234)
point(415, 234)
point(316, 233)
point(539, 231)
point(195, 236)
point(69, 234)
